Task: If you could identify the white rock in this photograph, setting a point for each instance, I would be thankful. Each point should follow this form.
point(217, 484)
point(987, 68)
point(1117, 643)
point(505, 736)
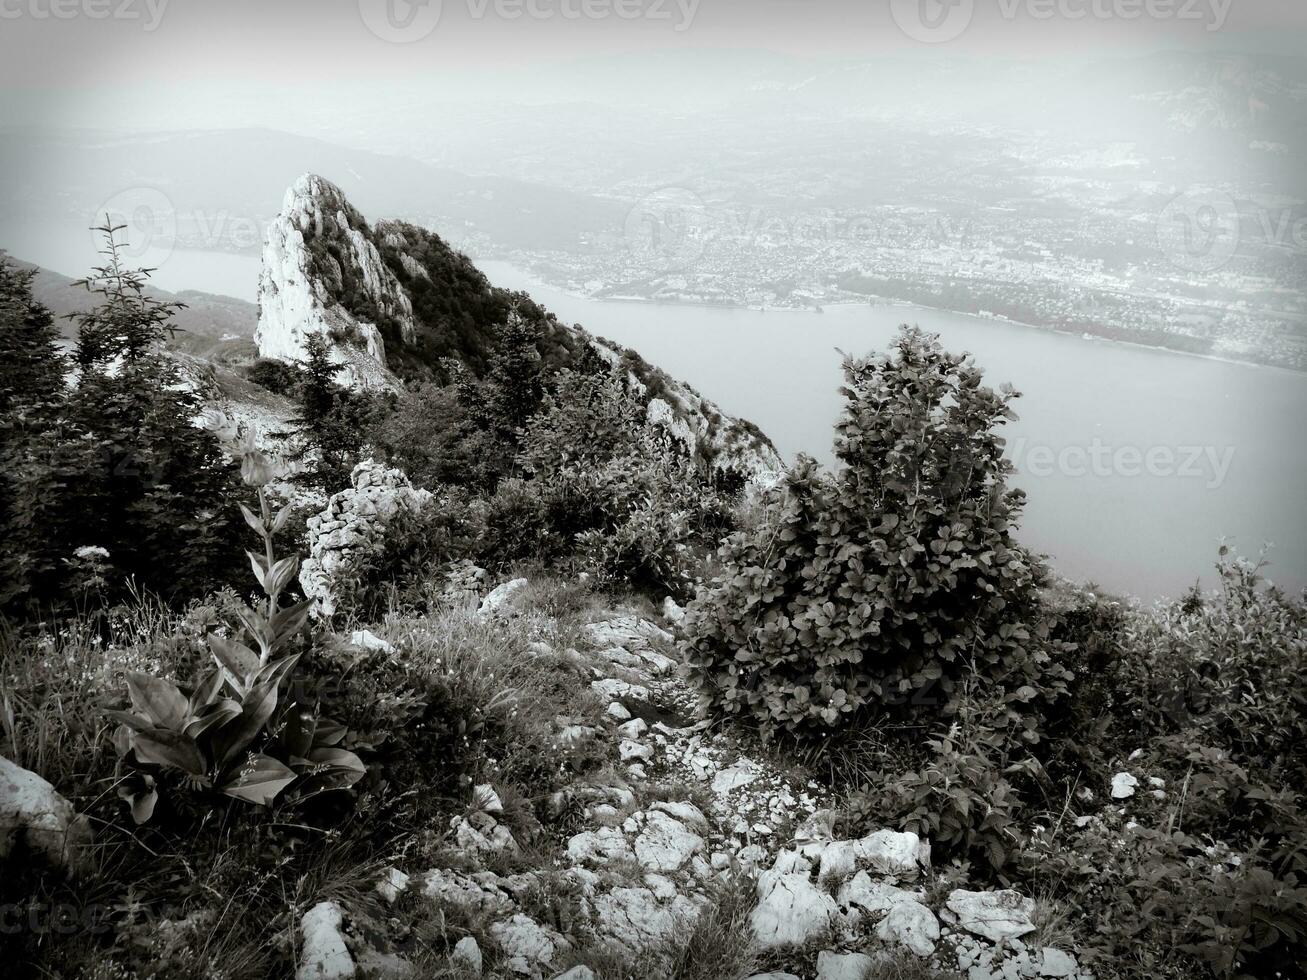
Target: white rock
point(610, 689)
point(501, 596)
point(469, 894)
point(1056, 963)
point(997, 916)
point(353, 528)
point(773, 976)
point(1123, 786)
point(633, 919)
point(529, 947)
point(599, 847)
point(875, 897)
point(367, 640)
point(297, 301)
point(791, 911)
point(323, 954)
point(686, 813)
point(843, 966)
point(481, 834)
point(740, 774)
point(578, 973)
point(672, 611)
point(633, 728)
point(467, 954)
point(664, 843)
point(35, 818)
point(633, 751)
point(629, 632)
point(618, 711)
point(912, 925)
point(886, 852)
point(393, 883)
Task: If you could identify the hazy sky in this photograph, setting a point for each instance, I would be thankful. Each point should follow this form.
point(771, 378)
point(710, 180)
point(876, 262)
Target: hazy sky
point(156, 62)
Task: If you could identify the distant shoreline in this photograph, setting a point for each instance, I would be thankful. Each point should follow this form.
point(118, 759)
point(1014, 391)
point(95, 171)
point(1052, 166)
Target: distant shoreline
point(881, 301)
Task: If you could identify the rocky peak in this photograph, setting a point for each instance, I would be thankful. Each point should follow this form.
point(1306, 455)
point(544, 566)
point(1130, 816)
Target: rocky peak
point(386, 295)
point(322, 274)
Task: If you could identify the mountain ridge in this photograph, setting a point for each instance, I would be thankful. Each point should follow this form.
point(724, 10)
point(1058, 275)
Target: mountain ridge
point(397, 304)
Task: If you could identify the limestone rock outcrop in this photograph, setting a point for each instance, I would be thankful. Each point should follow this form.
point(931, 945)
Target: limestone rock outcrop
point(321, 269)
point(352, 528)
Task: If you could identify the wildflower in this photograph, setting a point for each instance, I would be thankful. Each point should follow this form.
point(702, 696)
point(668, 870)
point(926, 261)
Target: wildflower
point(88, 552)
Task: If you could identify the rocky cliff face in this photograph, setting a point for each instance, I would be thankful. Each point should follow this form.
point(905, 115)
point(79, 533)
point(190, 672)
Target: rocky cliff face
point(322, 274)
point(393, 300)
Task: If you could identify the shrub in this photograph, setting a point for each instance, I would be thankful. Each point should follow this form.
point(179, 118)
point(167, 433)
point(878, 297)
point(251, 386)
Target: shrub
point(888, 583)
point(961, 800)
point(275, 376)
point(407, 572)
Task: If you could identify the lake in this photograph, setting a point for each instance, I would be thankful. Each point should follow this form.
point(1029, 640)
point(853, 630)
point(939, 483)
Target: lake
point(1136, 462)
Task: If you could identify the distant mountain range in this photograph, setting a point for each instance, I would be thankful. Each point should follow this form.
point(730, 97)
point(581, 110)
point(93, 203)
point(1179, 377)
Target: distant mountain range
point(209, 326)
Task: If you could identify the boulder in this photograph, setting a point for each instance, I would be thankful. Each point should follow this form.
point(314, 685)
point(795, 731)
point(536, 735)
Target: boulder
point(912, 925)
point(467, 954)
point(528, 947)
point(996, 916)
point(863, 892)
point(664, 843)
point(791, 910)
point(742, 773)
point(886, 852)
point(367, 640)
point(1056, 963)
point(637, 922)
point(629, 632)
point(323, 953)
point(501, 596)
point(599, 847)
point(843, 966)
point(35, 819)
point(393, 883)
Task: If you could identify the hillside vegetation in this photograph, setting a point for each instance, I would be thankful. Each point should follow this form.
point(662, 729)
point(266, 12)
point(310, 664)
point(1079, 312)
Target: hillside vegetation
point(488, 676)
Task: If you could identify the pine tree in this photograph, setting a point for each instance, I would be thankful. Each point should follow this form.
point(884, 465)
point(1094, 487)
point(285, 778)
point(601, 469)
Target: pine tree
point(332, 419)
point(158, 492)
point(33, 367)
point(34, 447)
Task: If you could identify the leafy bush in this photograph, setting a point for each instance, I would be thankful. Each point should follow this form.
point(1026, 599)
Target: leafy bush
point(889, 582)
point(962, 800)
point(275, 376)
